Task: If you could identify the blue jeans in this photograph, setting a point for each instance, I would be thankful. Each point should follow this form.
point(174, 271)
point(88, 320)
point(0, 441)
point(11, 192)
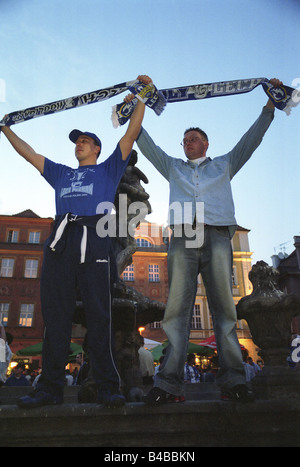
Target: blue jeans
point(214, 260)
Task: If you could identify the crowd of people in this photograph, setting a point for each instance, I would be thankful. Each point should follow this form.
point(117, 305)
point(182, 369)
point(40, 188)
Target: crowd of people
point(22, 376)
point(193, 373)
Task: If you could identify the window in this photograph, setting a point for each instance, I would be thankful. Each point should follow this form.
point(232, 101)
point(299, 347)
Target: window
point(12, 236)
point(142, 242)
point(234, 276)
point(34, 237)
point(31, 268)
point(128, 274)
point(153, 273)
point(4, 309)
point(156, 325)
point(196, 320)
point(7, 267)
point(26, 315)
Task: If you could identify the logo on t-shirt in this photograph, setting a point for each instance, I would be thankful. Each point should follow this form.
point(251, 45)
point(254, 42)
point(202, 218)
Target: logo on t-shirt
point(78, 184)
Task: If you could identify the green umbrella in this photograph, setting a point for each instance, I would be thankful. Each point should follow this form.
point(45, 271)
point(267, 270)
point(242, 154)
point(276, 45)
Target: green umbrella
point(36, 349)
point(157, 352)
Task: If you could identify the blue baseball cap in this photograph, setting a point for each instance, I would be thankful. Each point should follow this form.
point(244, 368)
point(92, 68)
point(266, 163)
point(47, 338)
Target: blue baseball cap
point(74, 135)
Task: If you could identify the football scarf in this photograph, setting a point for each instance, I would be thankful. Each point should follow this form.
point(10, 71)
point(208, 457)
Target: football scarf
point(65, 104)
point(284, 98)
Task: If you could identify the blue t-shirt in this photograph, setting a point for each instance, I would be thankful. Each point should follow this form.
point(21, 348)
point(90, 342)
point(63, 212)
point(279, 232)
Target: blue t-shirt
point(79, 191)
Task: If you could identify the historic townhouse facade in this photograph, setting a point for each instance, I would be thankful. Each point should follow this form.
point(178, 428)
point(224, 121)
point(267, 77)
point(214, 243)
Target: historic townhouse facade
point(21, 256)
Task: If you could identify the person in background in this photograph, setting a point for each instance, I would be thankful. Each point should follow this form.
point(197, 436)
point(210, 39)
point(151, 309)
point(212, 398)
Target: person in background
point(6, 340)
point(191, 373)
point(146, 363)
point(83, 371)
point(17, 377)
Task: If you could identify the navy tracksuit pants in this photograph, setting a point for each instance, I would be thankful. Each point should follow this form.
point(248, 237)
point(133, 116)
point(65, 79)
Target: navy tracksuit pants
point(63, 274)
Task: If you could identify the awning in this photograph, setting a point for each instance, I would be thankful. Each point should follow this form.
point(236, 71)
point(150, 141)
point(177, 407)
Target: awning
point(211, 343)
point(36, 349)
point(150, 344)
point(157, 352)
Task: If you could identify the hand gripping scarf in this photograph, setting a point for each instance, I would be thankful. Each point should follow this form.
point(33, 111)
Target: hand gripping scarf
point(284, 98)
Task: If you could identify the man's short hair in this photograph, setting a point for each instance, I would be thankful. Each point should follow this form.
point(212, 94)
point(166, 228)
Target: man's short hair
point(202, 133)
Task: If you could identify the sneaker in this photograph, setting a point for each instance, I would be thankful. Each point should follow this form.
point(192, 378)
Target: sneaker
point(239, 393)
point(176, 399)
point(39, 399)
point(110, 400)
point(157, 397)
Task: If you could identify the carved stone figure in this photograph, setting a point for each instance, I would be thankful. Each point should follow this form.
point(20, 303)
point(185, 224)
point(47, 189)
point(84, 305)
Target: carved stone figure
point(269, 312)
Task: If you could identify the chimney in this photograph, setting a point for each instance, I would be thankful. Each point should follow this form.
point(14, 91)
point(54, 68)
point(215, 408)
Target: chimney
point(297, 246)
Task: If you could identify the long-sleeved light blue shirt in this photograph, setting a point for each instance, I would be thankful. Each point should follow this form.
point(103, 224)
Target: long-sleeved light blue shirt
point(209, 182)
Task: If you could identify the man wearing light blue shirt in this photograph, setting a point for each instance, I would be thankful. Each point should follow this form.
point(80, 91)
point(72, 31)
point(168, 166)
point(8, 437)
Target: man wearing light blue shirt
point(201, 181)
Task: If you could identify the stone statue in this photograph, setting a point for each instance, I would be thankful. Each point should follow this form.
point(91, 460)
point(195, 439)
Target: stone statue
point(269, 313)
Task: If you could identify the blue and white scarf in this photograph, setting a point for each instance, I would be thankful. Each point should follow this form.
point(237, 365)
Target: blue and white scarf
point(147, 93)
point(284, 98)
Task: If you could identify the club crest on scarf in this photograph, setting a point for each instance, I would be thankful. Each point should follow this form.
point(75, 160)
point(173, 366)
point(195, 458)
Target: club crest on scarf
point(147, 93)
point(283, 97)
point(121, 112)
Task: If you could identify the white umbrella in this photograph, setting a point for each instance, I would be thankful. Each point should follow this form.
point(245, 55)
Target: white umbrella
point(150, 344)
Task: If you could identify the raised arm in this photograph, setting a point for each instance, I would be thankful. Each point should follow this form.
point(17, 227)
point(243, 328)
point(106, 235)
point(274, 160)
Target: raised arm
point(22, 148)
point(135, 123)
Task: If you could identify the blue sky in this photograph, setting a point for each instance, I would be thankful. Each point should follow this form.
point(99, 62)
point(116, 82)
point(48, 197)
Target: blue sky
point(56, 49)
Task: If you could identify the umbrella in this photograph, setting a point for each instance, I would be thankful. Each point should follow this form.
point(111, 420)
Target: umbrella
point(211, 343)
point(157, 352)
point(150, 344)
point(36, 349)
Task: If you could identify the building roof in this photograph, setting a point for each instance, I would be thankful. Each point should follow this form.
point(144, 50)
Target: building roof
point(26, 213)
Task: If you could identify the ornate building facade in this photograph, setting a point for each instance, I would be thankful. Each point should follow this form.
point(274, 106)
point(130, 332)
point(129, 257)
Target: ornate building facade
point(21, 256)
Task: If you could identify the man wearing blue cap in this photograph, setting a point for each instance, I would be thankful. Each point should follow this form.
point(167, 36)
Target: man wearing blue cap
point(76, 258)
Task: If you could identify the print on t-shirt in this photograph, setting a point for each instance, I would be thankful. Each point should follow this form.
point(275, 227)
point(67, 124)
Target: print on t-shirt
point(78, 184)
